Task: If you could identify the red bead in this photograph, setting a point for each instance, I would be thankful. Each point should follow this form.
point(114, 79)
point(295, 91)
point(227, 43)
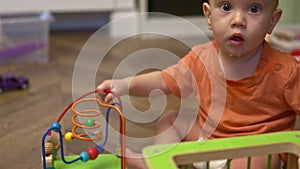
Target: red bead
point(93, 153)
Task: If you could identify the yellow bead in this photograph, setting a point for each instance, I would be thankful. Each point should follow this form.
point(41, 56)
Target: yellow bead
point(69, 137)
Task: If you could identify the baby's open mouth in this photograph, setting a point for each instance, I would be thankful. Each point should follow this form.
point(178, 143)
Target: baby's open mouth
point(237, 39)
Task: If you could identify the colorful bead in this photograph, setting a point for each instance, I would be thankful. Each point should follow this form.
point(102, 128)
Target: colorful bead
point(68, 137)
point(84, 156)
point(90, 122)
point(93, 153)
point(56, 125)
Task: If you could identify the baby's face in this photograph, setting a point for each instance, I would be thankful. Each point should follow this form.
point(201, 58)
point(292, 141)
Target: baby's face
point(240, 26)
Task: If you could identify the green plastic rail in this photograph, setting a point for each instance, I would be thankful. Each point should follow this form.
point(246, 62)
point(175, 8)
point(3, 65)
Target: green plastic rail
point(173, 155)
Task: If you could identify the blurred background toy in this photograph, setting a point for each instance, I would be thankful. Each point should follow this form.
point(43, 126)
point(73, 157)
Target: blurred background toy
point(287, 41)
point(11, 82)
point(18, 50)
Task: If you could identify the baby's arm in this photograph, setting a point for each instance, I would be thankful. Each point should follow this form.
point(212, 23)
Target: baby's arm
point(140, 85)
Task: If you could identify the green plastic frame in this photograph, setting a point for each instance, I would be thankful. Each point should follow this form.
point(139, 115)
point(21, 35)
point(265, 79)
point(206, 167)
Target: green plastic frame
point(172, 155)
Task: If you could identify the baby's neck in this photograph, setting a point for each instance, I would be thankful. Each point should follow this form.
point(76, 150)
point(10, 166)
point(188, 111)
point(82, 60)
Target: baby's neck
point(238, 68)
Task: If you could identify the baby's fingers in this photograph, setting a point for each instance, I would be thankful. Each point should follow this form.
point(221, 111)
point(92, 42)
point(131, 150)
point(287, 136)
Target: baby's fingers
point(108, 98)
point(105, 95)
point(102, 89)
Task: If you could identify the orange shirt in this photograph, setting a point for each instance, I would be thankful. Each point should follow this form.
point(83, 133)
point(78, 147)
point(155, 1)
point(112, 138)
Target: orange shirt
point(267, 101)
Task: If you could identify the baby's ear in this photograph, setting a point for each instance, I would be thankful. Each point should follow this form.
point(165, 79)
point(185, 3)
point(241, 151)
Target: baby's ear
point(274, 20)
point(207, 12)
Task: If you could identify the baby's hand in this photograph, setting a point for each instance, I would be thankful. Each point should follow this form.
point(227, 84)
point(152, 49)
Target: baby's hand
point(103, 89)
point(118, 86)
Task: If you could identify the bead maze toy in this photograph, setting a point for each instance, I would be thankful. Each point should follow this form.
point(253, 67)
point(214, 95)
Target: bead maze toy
point(52, 140)
point(173, 155)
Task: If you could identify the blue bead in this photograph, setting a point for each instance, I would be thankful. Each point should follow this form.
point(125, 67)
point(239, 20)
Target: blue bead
point(84, 156)
point(56, 125)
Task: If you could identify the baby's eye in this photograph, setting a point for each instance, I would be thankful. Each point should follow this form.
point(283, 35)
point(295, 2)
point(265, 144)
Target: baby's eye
point(226, 7)
point(254, 9)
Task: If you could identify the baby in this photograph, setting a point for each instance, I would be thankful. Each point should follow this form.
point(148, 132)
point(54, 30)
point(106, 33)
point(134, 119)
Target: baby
point(261, 83)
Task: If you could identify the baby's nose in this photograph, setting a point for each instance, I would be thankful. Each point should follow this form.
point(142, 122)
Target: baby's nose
point(238, 19)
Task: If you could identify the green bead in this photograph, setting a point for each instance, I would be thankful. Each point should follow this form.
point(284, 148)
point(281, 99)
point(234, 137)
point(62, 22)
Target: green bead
point(90, 122)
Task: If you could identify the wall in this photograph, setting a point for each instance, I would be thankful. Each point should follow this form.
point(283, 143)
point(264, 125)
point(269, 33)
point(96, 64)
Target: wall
point(291, 11)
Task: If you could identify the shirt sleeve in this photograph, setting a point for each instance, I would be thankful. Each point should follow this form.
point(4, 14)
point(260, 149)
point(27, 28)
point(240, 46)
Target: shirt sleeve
point(292, 90)
point(179, 77)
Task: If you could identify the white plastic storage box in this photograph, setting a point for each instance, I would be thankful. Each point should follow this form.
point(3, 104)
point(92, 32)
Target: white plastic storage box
point(24, 38)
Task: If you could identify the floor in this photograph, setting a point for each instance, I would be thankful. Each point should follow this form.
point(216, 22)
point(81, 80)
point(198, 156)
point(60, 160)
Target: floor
point(25, 115)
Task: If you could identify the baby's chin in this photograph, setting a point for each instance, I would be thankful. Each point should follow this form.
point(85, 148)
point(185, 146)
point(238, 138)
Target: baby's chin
point(236, 55)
